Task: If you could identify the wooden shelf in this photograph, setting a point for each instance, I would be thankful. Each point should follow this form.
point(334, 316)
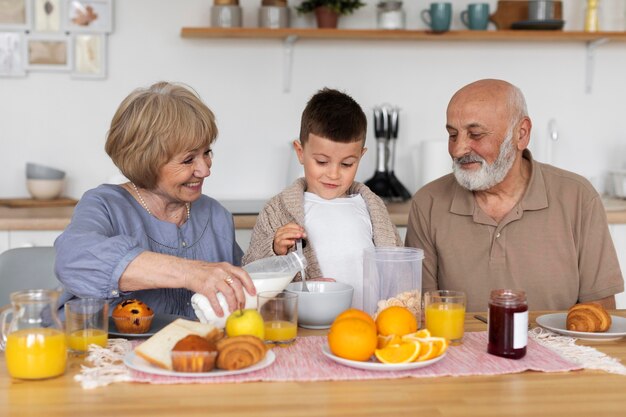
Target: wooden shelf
point(415, 35)
point(289, 36)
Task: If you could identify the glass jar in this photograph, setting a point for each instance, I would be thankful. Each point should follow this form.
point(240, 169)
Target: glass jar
point(33, 340)
point(390, 15)
point(508, 323)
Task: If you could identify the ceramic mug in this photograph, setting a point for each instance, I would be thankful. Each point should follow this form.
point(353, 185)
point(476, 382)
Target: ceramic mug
point(476, 17)
point(438, 16)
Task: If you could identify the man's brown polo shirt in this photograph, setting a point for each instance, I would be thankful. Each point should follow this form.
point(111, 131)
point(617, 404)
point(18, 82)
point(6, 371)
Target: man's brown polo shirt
point(554, 244)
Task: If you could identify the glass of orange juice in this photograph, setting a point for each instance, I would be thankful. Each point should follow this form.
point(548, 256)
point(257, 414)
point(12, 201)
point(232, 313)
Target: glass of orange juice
point(86, 323)
point(445, 314)
point(280, 314)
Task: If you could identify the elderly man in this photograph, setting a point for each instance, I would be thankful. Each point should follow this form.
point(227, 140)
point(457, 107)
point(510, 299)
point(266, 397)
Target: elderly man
point(504, 220)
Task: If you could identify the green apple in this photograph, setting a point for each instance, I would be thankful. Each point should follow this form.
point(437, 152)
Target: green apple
point(248, 321)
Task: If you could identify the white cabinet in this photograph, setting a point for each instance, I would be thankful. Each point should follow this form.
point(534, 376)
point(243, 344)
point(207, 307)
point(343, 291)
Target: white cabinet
point(243, 236)
point(29, 238)
point(4, 241)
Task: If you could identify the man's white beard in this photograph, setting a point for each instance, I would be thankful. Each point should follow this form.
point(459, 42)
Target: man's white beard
point(488, 175)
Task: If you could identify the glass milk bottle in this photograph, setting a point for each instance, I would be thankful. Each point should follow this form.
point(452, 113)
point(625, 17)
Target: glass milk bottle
point(33, 340)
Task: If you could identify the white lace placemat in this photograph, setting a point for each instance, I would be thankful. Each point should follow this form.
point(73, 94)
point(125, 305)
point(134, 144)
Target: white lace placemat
point(106, 365)
point(585, 356)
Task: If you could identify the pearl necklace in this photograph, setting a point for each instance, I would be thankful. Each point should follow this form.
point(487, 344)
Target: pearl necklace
point(145, 206)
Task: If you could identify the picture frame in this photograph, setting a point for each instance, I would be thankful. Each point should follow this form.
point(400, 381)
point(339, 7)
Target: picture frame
point(47, 15)
point(15, 15)
point(89, 56)
point(88, 16)
point(48, 52)
point(12, 54)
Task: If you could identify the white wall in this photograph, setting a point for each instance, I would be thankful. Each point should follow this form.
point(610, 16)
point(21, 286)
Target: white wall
point(52, 119)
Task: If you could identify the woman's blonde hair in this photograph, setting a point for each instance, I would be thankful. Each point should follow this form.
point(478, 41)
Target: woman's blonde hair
point(152, 125)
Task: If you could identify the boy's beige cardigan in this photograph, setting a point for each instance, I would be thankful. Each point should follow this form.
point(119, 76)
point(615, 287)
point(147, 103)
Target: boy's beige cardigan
point(288, 207)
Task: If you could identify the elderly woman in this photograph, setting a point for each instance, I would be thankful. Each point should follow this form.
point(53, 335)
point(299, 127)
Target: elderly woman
point(157, 237)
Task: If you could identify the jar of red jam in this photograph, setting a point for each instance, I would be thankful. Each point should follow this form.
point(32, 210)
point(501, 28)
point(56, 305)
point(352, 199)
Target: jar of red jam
point(508, 323)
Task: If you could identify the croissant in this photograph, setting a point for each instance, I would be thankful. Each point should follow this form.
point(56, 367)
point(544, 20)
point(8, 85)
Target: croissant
point(588, 317)
point(239, 352)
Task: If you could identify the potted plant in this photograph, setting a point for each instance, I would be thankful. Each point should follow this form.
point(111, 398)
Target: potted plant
point(327, 12)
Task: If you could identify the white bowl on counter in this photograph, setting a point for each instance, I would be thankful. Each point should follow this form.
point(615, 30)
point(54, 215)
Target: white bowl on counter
point(45, 189)
point(318, 308)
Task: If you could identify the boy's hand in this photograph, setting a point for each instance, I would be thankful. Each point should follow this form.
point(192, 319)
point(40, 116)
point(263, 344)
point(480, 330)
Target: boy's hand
point(286, 237)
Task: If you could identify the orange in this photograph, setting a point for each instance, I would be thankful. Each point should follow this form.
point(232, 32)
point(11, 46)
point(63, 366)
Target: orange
point(352, 338)
point(392, 339)
point(396, 320)
point(399, 353)
point(356, 313)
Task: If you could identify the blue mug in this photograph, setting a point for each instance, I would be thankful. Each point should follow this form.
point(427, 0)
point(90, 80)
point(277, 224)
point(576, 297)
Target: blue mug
point(476, 17)
point(438, 16)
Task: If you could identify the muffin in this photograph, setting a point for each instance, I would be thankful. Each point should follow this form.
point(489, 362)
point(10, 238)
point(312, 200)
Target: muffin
point(132, 316)
point(194, 353)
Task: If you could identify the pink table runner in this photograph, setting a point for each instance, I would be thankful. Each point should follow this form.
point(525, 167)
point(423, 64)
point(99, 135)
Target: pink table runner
point(304, 361)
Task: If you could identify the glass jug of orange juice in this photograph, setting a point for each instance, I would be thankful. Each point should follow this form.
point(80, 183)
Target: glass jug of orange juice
point(33, 340)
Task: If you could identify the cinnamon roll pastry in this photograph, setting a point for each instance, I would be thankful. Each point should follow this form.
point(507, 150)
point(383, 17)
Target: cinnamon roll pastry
point(588, 317)
point(239, 352)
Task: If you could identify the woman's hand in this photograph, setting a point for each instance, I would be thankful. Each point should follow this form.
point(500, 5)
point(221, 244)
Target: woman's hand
point(286, 237)
point(210, 278)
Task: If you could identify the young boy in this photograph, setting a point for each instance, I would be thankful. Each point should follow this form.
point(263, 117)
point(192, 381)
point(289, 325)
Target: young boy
point(337, 216)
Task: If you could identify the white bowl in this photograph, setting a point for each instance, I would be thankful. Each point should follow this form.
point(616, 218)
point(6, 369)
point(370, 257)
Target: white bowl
point(44, 189)
point(263, 281)
point(318, 308)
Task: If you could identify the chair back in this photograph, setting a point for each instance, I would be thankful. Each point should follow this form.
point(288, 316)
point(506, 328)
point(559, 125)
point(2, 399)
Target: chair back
point(26, 268)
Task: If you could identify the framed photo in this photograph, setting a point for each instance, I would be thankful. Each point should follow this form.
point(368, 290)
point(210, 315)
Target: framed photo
point(47, 15)
point(89, 56)
point(88, 15)
point(15, 14)
point(48, 52)
point(12, 54)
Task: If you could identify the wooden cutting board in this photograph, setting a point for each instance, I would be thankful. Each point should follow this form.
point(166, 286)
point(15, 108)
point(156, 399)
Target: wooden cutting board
point(31, 202)
point(511, 11)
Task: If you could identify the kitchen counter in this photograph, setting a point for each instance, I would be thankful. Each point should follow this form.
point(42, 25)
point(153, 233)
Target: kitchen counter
point(557, 394)
point(57, 218)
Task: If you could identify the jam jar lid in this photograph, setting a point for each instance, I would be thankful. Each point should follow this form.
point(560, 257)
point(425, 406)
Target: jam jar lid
point(507, 297)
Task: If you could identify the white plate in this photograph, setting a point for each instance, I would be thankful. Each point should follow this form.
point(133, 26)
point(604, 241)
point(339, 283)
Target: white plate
point(158, 322)
point(373, 365)
point(556, 323)
point(139, 364)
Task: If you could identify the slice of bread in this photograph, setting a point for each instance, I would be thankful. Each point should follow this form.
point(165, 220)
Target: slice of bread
point(158, 348)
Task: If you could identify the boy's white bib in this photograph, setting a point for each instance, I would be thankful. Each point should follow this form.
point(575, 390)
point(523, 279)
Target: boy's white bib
point(339, 230)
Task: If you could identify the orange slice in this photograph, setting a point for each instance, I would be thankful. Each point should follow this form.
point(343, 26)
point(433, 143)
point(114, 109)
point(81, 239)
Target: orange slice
point(399, 353)
point(441, 344)
point(384, 341)
point(427, 351)
point(420, 334)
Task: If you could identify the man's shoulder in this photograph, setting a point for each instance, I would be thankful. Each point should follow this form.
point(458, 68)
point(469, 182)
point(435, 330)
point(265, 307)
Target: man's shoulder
point(442, 186)
point(561, 180)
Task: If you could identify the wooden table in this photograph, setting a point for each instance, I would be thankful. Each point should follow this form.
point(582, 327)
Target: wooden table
point(581, 393)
